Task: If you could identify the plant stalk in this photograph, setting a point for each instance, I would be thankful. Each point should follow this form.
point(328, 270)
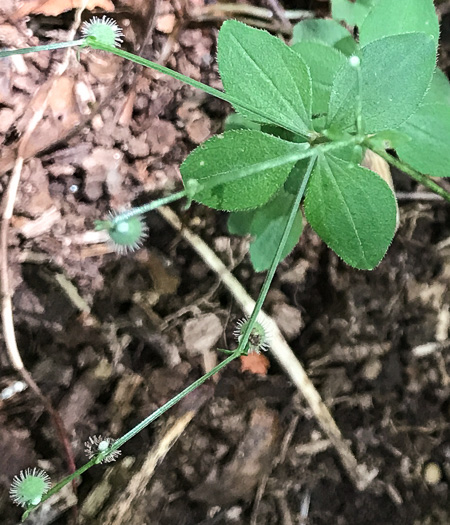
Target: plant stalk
point(45, 47)
point(95, 44)
point(243, 343)
point(425, 180)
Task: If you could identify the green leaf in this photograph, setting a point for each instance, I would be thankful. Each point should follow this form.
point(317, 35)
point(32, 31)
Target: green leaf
point(352, 209)
point(325, 31)
point(239, 170)
point(237, 121)
point(323, 62)
point(394, 17)
point(389, 139)
point(295, 178)
point(352, 12)
point(395, 74)
point(266, 226)
point(260, 70)
point(439, 92)
point(347, 45)
point(282, 133)
point(428, 150)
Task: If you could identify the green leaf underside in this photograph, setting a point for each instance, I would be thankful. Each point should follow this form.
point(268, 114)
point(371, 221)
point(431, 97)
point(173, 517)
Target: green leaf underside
point(262, 71)
point(352, 209)
point(323, 62)
point(428, 151)
point(266, 226)
point(319, 30)
point(240, 170)
point(325, 31)
point(352, 12)
point(295, 178)
point(282, 133)
point(439, 92)
point(236, 121)
point(394, 17)
point(396, 72)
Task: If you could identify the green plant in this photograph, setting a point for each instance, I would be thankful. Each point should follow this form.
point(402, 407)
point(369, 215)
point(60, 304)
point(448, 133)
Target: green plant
point(306, 114)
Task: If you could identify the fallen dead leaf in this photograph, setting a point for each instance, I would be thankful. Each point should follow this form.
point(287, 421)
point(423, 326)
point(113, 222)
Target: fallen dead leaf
point(255, 363)
point(56, 7)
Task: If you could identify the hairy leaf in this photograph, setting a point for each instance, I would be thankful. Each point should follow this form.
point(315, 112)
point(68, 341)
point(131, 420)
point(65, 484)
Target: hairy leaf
point(353, 12)
point(266, 226)
point(352, 209)
point(259, 69)
point(439, 92)
point(396, 72)
point(428, 150)
point(394, 17)
point(237, 121)
point(239, 170)
point(323, 62)
point(329, 32)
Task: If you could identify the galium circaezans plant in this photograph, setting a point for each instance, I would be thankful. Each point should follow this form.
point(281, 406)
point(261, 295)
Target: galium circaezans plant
point(306, 115)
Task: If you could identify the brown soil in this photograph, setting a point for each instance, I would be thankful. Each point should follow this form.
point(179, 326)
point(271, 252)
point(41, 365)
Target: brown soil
point(109, 339)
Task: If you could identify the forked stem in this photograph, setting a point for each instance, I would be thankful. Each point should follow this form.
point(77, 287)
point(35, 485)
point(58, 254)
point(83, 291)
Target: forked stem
point(241, 349)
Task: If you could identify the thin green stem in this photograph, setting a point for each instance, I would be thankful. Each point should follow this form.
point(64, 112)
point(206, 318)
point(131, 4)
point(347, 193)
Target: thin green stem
point(95, 44)
point(229, 176)
point(278, 255)
point(359, 122)
point(300, 151)
point(416, 175)
point(126, 437)
point(145, 208)
point(45, 47)
point(239, 351)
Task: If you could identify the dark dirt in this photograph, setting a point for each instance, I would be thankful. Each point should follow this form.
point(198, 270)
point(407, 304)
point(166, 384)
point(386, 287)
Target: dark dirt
point(109, 339)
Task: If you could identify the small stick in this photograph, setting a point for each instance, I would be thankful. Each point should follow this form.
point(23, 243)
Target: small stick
point(8, 202)
point(358, 474)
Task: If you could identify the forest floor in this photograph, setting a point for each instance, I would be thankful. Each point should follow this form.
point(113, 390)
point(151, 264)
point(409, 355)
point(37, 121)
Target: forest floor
point(110, 338)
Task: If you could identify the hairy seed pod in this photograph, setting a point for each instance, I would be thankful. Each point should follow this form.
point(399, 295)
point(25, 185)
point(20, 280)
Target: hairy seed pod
point(259, 336)
point(126, 233)
point(104, 30)
point(97, 444)
point(29, 487)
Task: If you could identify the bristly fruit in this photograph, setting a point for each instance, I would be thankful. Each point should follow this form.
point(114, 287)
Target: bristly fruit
point(97, 444)
point(104, 30)
point(29, 487)
point(126, 233)
point(259, 336)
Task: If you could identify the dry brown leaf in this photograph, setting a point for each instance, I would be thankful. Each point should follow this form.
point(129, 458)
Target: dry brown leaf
point(56, 7)
point(255, 363)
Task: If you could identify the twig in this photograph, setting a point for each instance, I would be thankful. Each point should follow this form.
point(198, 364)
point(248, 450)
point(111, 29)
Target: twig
point(253, 15)
point(280, 13)
point(5, 289)
point(418, 196)
point(359, 474)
